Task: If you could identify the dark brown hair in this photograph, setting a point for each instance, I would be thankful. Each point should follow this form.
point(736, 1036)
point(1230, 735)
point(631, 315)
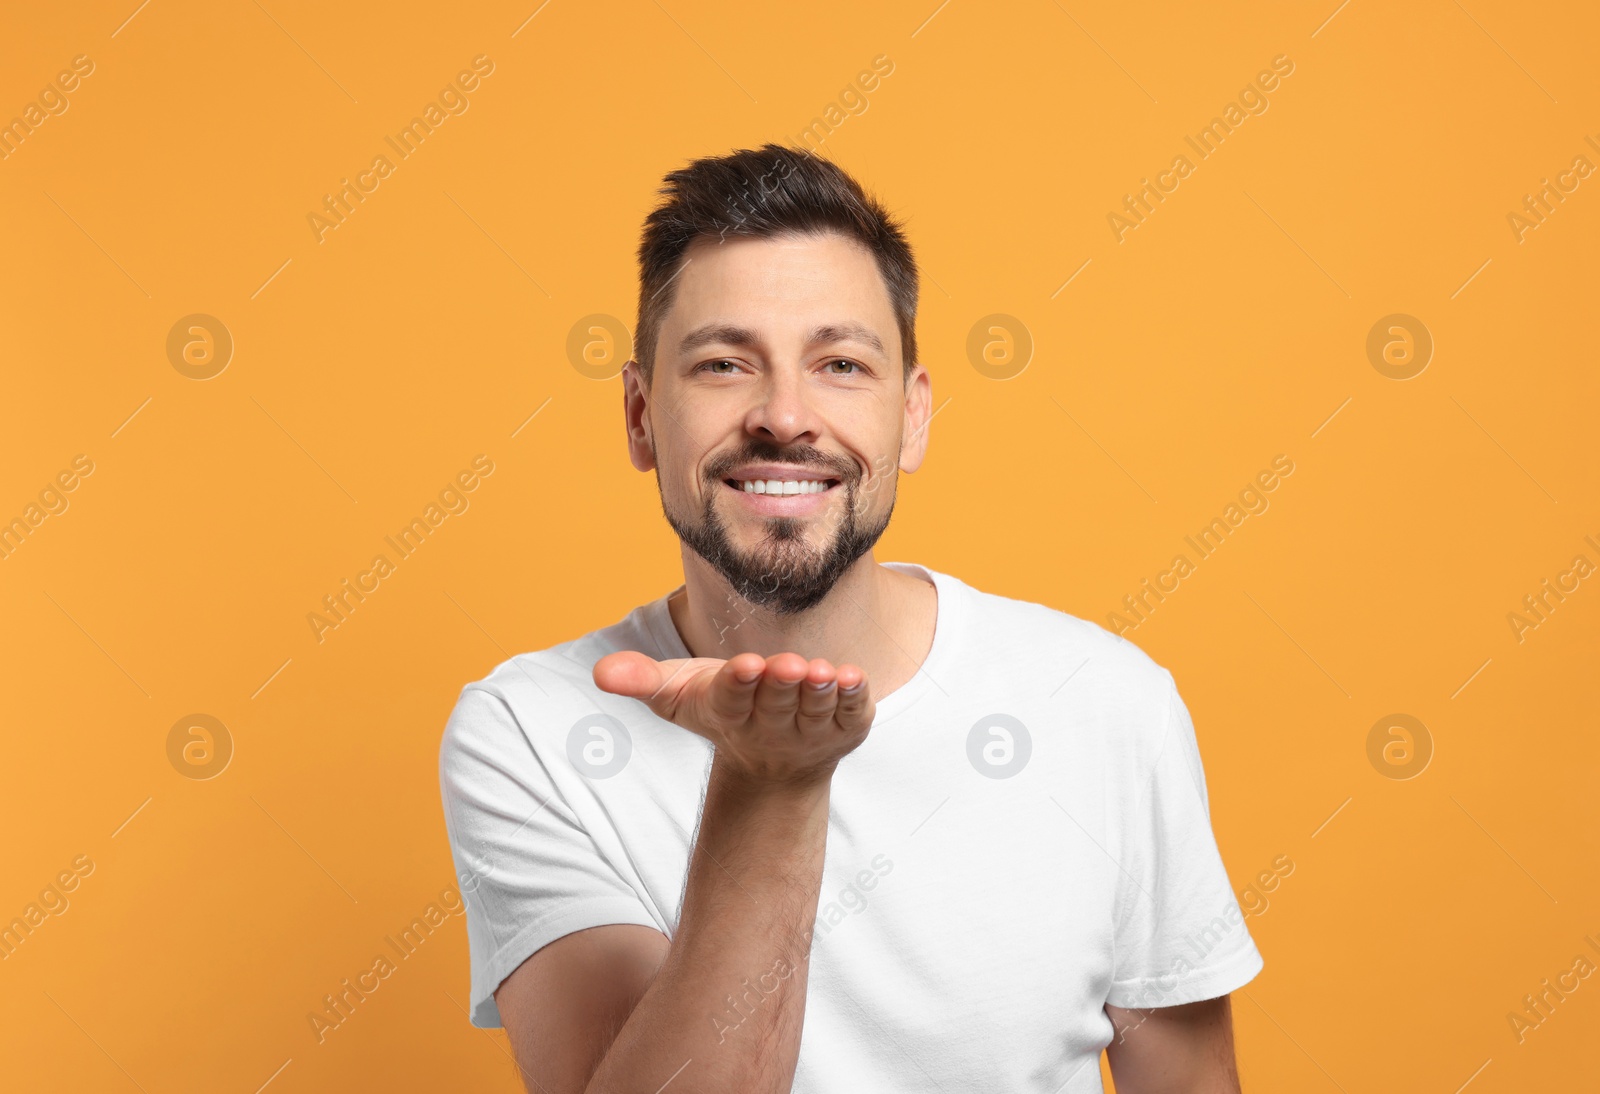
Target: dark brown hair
point(763, 193)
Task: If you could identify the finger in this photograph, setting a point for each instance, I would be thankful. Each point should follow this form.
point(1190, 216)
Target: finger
point(778, 694)
point(631, 673)
point(855, 708)
point(818, 691)
point(660, 685)
point(732, 690)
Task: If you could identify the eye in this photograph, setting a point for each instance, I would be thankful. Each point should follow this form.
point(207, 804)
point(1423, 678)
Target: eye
point(711, 366)
point(843, 361)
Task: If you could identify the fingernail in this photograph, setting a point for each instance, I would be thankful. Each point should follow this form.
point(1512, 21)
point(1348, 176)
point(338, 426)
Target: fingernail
point(853, 688)
point(747, 677)
point(824, 686)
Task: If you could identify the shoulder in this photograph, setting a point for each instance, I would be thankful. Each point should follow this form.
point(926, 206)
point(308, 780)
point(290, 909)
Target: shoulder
point(529, 701)
point(1018, 627)
point(1097, 676)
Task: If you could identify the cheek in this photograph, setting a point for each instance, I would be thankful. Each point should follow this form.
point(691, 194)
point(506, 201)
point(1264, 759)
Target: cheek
point(885, 471)
point(875, 492)
point(681, 460)
point(693, 489)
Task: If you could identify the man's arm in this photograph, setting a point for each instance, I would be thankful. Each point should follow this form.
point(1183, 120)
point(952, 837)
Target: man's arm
point(616, 1008)
point(564, 1005)
point(1186, 1049)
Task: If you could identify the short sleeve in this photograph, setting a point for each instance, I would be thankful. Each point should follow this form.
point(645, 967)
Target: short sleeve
point(1180, 935)
point(527, 870)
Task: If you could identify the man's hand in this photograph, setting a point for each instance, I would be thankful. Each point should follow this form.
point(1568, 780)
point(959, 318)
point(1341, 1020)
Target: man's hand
point(774, 720)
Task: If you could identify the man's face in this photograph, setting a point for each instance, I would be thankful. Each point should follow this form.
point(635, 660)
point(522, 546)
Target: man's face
point(778, 414)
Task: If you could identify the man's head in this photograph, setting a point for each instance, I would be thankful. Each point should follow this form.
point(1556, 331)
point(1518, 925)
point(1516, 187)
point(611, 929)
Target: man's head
point(775, 344)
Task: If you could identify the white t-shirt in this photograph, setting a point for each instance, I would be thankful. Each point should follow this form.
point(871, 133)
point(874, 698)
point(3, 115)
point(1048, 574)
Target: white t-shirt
point(1023, 837)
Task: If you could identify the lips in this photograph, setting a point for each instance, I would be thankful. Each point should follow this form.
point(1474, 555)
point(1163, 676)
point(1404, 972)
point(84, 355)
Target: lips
point(787, 487)
point(782, 497)
point(781, 479)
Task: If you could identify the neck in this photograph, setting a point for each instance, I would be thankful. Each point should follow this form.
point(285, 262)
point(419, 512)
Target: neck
point(876, 618)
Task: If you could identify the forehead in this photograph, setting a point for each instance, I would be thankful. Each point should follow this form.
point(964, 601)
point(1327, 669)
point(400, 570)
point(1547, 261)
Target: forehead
point(784, 285)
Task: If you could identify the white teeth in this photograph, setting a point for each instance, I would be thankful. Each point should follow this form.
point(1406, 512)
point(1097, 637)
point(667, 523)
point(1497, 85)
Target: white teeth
point(783, 486)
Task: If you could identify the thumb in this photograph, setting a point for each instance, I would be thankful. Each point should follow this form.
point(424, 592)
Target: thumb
point(635, 675)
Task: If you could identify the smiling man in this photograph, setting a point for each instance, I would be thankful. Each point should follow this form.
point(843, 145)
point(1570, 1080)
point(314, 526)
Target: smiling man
point(811, 822)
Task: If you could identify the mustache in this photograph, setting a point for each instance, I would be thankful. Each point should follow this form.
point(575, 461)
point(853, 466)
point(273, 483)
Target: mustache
point(804, 456)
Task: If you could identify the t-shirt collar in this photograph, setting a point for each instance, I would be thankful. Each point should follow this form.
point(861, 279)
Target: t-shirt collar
point(657, 620)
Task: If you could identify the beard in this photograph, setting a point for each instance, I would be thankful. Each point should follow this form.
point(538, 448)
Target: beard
point(783, 573)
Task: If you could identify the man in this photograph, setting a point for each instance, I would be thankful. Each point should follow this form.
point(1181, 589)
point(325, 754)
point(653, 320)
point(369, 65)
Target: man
point(811, 822)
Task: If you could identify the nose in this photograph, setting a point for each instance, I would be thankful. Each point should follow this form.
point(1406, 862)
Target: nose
point(783, 412)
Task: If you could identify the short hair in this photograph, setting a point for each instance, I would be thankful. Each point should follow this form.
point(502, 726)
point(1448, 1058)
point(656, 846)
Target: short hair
point(765, 193)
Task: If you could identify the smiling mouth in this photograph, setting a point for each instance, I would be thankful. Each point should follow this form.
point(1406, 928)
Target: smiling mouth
point(781, 487)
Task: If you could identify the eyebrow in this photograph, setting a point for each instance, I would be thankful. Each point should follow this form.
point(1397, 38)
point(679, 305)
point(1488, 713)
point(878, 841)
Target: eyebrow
point(729, 334)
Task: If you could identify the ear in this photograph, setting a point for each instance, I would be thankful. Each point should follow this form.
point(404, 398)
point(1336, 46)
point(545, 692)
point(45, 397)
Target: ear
point(636, 417)
point(919, 412)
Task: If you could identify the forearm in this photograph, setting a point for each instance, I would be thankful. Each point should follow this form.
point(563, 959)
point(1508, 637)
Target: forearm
point(1184, 1049)
point(725, 1010)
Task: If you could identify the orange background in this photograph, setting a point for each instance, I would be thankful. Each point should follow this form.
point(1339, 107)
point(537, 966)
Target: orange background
point(369, 368)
